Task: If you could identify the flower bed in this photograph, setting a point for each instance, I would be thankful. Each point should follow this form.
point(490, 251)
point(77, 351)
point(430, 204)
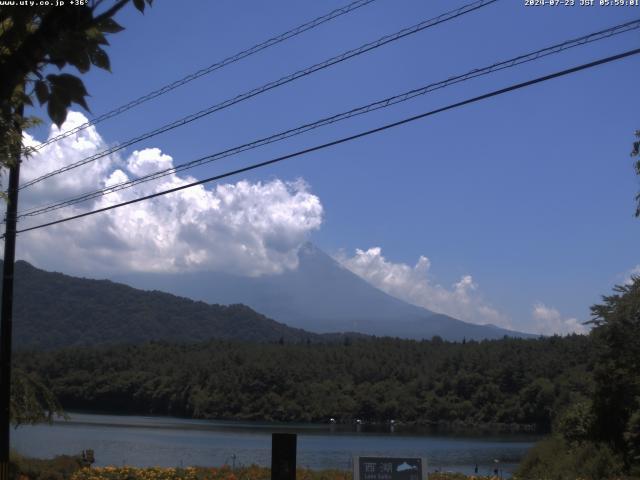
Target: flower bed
point(223, 473)
point(198, 473)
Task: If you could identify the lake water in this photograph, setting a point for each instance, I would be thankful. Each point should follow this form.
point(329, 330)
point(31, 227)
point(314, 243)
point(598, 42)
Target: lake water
point(163, 441)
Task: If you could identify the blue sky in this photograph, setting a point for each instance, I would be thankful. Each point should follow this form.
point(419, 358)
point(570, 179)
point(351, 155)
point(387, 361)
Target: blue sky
point(530, 193)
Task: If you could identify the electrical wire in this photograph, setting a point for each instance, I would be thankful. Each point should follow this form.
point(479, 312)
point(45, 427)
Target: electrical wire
point(212, 68)
point(380, 104)
point(450, 15)
point(366, 133)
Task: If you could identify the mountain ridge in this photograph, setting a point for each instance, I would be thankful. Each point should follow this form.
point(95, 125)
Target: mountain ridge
point(320, 296)
point(53, 310)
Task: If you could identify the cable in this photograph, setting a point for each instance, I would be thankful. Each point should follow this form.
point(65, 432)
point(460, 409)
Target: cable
point(266, 87)
point(351, 113)
point(213, 67)
point(554, 49)
point(289, 78)
point(366, 133)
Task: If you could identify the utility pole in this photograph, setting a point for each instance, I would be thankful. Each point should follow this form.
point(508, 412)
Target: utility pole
point(6, 308)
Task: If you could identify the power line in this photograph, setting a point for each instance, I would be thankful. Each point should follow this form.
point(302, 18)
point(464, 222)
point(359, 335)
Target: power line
point(450, 15)
point(212, 68)
point(380, 104)
point(366, 133)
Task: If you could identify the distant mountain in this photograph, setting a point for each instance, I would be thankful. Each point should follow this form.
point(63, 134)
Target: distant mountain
point(53, 310)
point(320, 296)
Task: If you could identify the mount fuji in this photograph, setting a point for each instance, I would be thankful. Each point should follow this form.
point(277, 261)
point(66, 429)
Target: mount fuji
point(319, 296)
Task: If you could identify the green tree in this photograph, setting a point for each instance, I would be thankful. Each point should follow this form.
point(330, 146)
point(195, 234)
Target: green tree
point(616, 400)
point(537, 402)
point(576, 422)
point(34, 41)
point(632, 437)
point(600, 437)
point(31, 401)
point(635, 152)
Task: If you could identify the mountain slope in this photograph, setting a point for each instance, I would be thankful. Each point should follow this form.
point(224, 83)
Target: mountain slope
point(53, 310)
point(321, 296)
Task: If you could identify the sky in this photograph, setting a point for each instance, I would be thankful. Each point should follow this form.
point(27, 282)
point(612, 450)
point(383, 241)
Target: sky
point(516, 211)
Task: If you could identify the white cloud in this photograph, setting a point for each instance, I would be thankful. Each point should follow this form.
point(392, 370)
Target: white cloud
point(549, 321)
point(65, 152)
point(415, 285)
point(247, 228)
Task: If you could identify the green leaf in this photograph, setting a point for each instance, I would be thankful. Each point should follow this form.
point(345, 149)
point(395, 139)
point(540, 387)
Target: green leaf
point(42, 91)
point(68, 82)
point(100, 59)
point(68, 88)
point(95, 36)
point(81, 60)
point(57, 110)
point(58, 62)
point(109, 25)
point(82, 102)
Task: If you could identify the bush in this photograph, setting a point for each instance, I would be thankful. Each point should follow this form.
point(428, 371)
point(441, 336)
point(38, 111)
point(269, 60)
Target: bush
point(58, 468)
point(557, 459)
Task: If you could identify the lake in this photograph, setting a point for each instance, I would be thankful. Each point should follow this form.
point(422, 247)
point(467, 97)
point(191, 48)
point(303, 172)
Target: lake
point(170, 442)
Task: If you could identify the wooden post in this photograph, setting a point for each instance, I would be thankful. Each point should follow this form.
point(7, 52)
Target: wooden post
point(283, 456)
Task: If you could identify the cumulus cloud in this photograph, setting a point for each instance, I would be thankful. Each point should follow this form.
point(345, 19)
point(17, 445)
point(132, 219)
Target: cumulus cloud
point(246, 228)
point(414, 284)
point(549, 321)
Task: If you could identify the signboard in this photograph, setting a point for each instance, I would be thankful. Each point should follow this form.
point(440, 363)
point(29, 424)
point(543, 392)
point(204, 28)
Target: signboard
point(389, 468)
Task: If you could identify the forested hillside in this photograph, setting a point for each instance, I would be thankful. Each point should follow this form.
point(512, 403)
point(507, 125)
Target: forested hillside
point(53, 310)
point(510, 381)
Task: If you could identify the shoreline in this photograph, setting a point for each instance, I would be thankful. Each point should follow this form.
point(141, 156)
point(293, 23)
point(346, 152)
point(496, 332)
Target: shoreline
point(168, 442)
point(433, 428)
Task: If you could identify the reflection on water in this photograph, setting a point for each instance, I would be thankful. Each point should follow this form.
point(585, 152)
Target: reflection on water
point(163, 441)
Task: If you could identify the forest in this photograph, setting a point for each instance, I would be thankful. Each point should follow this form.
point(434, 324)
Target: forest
point(72, 311)
point(584, 390)
point(509, 383)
